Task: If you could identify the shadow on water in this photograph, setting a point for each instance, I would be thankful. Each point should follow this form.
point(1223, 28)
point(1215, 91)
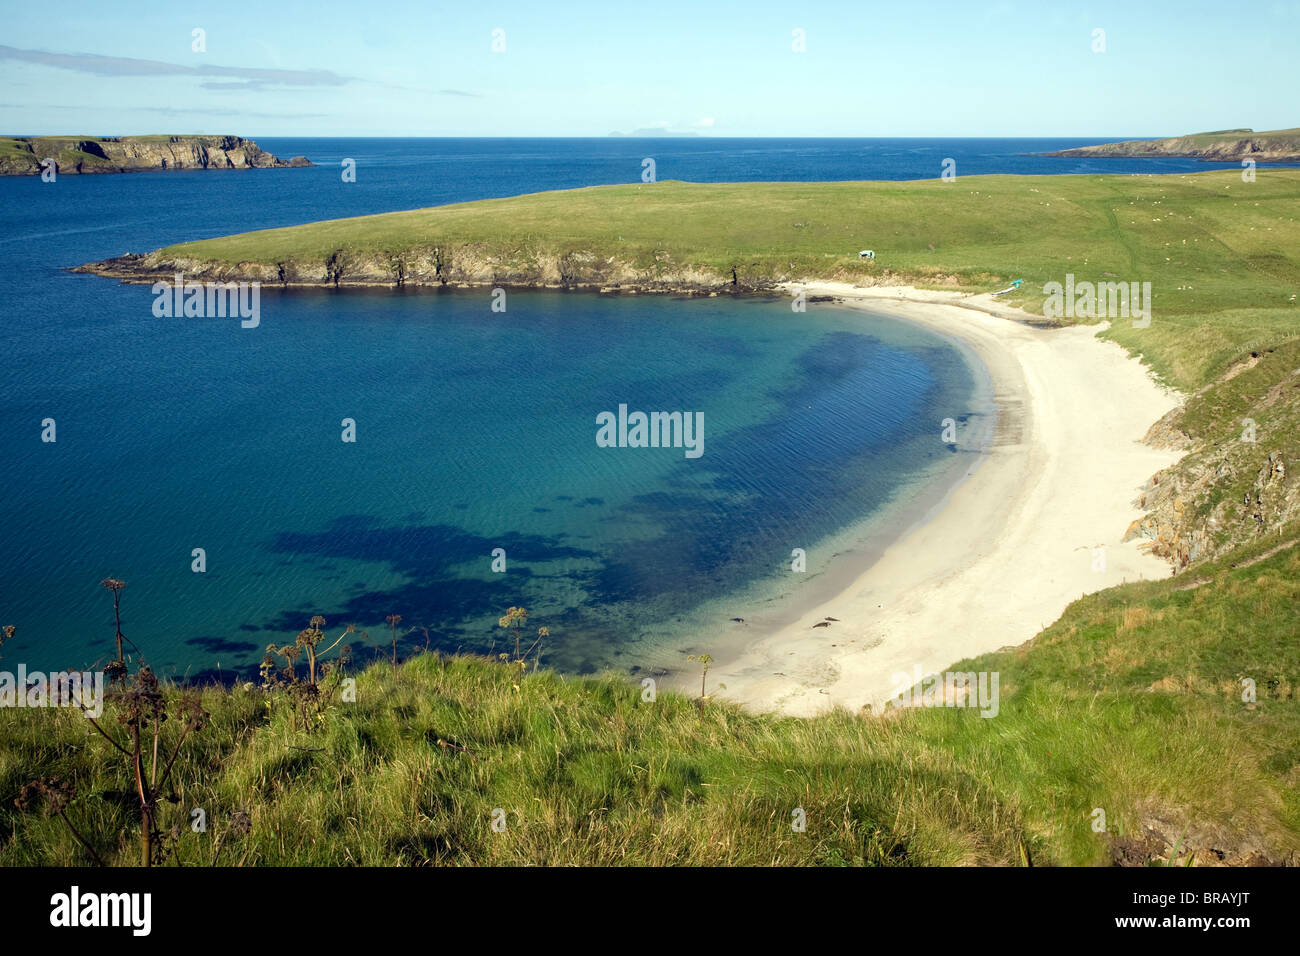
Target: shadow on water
point(431, 558)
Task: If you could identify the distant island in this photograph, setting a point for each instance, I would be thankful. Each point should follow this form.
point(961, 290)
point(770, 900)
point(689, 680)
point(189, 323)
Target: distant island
point(24, 155)
point(1223, 146)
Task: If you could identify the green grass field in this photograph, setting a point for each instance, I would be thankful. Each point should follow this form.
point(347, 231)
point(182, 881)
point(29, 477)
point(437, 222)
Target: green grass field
point(1287, 136)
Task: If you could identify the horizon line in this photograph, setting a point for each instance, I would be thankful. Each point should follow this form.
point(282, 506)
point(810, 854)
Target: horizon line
point(684, 136)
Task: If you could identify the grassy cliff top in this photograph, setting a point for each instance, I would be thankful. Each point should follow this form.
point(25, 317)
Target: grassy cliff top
point(1291, 136)
point(1222, 255)
point(25, 144)
point(144, 138)
point(24, 155)
point(1279, 145)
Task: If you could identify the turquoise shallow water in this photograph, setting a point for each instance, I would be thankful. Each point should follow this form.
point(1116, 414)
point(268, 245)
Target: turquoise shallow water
point(475, 430)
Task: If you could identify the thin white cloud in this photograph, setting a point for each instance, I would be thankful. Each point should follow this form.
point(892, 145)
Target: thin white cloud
point(97, 65)
point(163, 111)
point(212, 77)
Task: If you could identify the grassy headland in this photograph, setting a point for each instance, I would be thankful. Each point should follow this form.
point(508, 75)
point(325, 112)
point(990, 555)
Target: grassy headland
point(1209, 244)
point(24, 155)
point(1224, 145)
point(1131, 703)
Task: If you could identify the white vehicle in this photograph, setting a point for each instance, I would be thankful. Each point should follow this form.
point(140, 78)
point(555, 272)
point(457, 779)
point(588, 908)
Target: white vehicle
point(866, 254)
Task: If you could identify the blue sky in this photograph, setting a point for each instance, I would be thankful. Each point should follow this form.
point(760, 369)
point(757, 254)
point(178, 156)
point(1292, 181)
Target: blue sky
point(331, 68)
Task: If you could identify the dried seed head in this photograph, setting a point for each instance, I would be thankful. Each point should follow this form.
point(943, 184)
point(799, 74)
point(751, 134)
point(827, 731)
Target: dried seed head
point(115, 671)
point(48, 795)
point(191, 708)
point(514, 617)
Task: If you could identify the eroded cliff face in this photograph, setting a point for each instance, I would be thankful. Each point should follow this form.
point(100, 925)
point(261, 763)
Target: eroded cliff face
point(532, 263)
point(454, 265)
point(23, 156)
point(1237, 482)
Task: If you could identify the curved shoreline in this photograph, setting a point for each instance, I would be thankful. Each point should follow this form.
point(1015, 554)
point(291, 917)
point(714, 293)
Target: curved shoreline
point(1058, 483)
point(943, 586)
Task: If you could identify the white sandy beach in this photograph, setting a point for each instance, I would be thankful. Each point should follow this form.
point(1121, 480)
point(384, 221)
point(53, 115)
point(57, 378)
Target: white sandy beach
point(1014, 543)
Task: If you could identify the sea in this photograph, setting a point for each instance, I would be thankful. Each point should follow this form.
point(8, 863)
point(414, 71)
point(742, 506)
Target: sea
point(205, 464)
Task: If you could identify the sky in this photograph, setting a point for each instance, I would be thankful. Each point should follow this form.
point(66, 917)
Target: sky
point(906, 69)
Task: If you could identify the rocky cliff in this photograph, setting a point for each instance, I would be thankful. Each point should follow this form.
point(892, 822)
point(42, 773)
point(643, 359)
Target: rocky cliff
point(24, 155)
point(1227, 146)
point(451, 265)
point(1236, 484)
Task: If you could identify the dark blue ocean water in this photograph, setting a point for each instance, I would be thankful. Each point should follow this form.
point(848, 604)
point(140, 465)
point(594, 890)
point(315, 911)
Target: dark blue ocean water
point(476, 430)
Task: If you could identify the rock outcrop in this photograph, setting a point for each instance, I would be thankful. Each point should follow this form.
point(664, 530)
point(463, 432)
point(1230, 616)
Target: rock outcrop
point(25, 155)
point(1226, 146)
point(452, 265)
point(1235, 485)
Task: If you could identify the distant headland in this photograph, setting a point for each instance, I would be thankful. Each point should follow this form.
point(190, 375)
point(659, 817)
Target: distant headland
point(27, 155)
point(1223, 146)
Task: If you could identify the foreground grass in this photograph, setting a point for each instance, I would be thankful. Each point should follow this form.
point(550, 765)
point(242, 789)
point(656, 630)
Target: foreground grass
point(1131, 703)
point(584, 770)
